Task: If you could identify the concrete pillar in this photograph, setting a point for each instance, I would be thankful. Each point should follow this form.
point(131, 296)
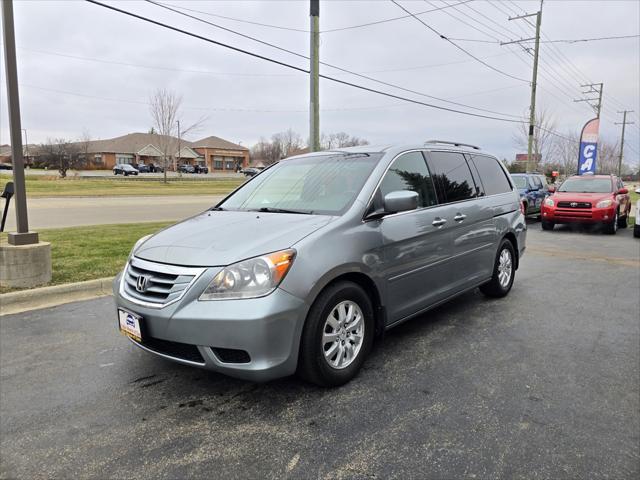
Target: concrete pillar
point(25, 266)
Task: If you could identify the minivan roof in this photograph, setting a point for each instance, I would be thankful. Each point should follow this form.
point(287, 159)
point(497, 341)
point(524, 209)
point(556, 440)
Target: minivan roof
point(381, 148)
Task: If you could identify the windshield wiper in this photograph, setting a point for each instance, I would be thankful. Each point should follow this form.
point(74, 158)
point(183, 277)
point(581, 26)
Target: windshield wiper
point(217, 209)
point(280, 210)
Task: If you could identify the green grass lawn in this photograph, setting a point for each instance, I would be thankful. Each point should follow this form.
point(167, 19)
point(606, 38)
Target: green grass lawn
point(87, 253)
point(52, 186)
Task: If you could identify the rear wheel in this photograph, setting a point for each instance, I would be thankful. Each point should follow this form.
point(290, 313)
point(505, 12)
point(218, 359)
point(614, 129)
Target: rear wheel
point(337, 336)
point(612, 227)
point(503, 272)
point(547, 225)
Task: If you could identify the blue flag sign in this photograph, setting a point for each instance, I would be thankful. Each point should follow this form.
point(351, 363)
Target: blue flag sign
point(589, 148)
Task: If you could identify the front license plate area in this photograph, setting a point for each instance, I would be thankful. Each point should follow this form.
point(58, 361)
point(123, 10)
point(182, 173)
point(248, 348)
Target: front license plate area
point(130, 325)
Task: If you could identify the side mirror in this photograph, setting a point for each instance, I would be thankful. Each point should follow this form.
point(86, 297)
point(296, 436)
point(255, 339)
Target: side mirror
point(400, 201)
point(552, 189)
point(623, 191)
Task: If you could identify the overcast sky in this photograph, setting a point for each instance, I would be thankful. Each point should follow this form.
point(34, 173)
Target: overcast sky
point(82, 66)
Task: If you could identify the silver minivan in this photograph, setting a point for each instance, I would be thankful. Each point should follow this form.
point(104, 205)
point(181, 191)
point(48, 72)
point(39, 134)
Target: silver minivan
point(302, 266)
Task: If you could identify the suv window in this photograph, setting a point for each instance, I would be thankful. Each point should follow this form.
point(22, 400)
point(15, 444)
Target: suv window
point(492, 175)
point(536, 181)
point(451, 176)
point(409, 172)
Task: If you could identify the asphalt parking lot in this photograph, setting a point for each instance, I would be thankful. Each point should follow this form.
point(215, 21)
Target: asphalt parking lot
point(542, 384)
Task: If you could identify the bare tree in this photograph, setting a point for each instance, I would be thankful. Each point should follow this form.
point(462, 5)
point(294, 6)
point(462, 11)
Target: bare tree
point(83, 145)
point(543, 140)
point(164, 106)
point(61, 154)
point(340, 140)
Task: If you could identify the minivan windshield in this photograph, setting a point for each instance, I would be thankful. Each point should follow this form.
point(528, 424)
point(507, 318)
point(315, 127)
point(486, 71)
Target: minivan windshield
point(586, 185)
point(318, 184)
point(521, 182)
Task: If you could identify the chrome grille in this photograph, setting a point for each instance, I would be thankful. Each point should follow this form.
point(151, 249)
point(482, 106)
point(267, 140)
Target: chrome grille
point(155, 284)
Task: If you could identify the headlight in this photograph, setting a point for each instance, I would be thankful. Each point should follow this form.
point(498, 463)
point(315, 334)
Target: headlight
point(138, 243)
point(549, 202)
point(251, 278)
point(604, 203)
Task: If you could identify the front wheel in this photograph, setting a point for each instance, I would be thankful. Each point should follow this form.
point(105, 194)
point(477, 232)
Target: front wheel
point(612, 227)
point(622, 221)
point(337, 336)
point(547, 225)
point(503, 272)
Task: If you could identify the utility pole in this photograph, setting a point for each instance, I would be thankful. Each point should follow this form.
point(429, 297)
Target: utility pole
point(314, 71)
point(534, 81)
point(22, 236)
point(596, 88)
point(624, 124)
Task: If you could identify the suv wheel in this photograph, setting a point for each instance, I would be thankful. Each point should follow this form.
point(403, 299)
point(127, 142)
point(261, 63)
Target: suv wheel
point(337, 336)
point(622, 221)
point(504, 271)
point(547, 225)
point(612, 227)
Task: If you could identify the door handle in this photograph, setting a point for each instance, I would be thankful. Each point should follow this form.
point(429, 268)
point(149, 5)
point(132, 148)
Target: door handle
point(438, 222)
point(459, 217)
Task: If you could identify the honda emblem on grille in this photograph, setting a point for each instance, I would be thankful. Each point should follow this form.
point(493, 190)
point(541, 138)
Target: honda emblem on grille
point(573, 204)
point(141, 283)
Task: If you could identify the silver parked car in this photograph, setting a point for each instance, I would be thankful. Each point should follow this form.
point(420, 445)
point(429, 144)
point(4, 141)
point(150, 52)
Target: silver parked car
point(301, 267)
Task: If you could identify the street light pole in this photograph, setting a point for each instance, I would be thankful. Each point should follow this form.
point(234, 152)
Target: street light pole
point(22, 236)
point(314, 80)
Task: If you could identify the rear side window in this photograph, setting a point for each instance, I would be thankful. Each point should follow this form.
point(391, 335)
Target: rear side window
point(492, 175)
point(451, 176)
point(409, 172)
point(537, 182)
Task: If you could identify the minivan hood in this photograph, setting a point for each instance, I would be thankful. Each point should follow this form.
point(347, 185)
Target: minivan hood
point(218, 238)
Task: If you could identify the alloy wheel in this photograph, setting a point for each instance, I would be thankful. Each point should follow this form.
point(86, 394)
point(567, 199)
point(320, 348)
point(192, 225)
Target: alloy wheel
point(343, 334)
point(505, 268)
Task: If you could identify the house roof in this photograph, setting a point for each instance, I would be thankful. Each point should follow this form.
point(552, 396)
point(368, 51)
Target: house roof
point(217, 142)
point(135, 142)
point(149, 151)
point(187, 152)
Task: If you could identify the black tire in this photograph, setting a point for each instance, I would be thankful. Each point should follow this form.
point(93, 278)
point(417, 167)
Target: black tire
point(612, 227)
point(636, 230)
point(547, 225)
point(312, 365)
point(115, 172)
point(622, 221)
point(495, 288)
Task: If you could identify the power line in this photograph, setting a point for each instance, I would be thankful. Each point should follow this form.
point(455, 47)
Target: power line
point(458, 46)
point(381, 82)
point(392, 19)
point(278, 27)
point(284, 64)
point(578, 40)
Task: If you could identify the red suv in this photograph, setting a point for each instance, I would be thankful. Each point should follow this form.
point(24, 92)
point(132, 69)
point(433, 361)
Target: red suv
point(588, 199)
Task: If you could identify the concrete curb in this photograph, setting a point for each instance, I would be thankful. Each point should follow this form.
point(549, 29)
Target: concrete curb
point(36, 298)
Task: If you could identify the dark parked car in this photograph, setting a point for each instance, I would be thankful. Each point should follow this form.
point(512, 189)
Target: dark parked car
point(250, 172)
point(142, 168)
point(155, 168)
point(185, 168)
point(125, 169)
point(201, 169)
point(6, 166)
point(533, 189)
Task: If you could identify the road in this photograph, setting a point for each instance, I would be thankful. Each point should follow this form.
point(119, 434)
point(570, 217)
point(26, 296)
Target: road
point(76, 211)
point(542, 384)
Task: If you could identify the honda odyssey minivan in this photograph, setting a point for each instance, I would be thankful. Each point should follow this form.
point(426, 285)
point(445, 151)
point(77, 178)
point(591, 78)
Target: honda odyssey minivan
point(302, 266)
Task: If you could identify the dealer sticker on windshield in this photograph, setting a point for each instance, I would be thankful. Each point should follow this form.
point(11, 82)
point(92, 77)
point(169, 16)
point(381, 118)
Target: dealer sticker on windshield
point(130, 325)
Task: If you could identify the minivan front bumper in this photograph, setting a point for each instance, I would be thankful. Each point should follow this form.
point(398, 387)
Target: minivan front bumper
point(268, 329)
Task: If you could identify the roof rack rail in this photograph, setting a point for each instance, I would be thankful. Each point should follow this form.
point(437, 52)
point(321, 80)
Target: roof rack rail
point(456, 144)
